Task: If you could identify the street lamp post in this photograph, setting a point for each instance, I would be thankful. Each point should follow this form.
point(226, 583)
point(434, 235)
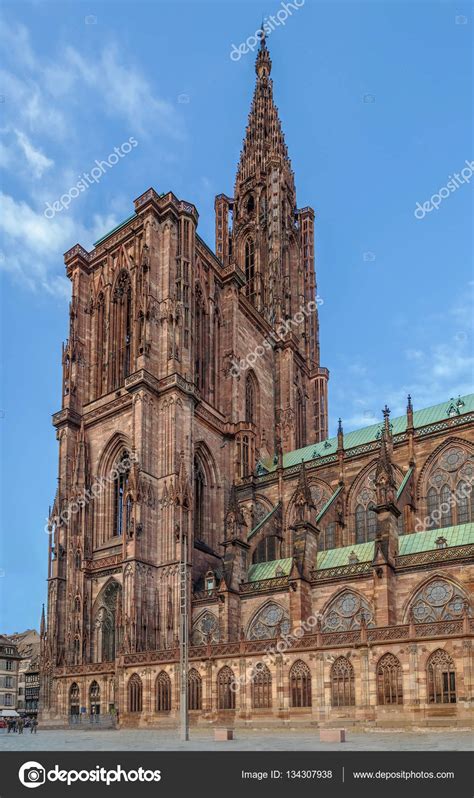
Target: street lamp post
point(184, 635)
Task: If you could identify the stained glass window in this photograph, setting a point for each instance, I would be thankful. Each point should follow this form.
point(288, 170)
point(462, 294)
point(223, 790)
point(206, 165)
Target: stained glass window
point(342, 683)
point(441, 678)
point(389, 680)
point(205, 630)
point(271, 621)
point(300, 685)
point(346, 612)
point(440, 600)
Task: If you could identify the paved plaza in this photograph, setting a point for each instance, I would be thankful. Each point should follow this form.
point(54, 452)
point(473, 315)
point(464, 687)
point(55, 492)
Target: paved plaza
point(245, 740)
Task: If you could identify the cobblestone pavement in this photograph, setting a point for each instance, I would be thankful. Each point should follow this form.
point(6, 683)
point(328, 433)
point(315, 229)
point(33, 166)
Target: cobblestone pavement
point(245, 740)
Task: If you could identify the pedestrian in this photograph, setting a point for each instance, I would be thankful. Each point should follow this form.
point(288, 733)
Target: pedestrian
point(33, 727)
point(14, 725)
point(9, 726)
point(21, 724)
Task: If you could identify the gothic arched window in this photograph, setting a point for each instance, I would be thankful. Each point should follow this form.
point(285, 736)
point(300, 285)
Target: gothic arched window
point(360, 524)
point(226, 688)
point(445, 496)
point(250, 399)
point(261, 687)
point(441, 678)
point(366, 523)
point(100, 344)
point(465, 500)
point(104, 641)
point(250, 269)
point(389, 680)
point(371, 522)
point(200, 342)
point(300, 685)
point(266, 550)
point(327, 538)
point(205, 630)
point(300, 419)
point(76, 651)
point(449, 496)
point(163, 692)
point(346, 611)
point(120, 482)
point(194, 690)
point(74, 695)
point(199, 500)
point(432, 507)
point(244, 467)
point(342, 683)
point(94, 698)
point(122, 328)
point(135, 693)
point(215, 363)
point(439, 600)
point(270, 621)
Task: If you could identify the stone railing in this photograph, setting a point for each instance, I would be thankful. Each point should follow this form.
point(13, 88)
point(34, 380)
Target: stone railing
point(262, 585)
point(310, 642)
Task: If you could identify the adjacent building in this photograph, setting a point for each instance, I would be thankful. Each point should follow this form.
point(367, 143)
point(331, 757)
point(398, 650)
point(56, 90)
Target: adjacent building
point(330, 577)
point(28, 647)
point(9, 661)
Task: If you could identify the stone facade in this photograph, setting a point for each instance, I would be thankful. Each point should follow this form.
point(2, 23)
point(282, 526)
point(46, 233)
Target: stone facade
point(195, 407)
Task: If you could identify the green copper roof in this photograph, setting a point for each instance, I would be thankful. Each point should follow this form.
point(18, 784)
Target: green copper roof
point(263, 521)
point(114, 230)
point(421, 418)
point(407, 544)
point(268, 570)
point(460, 535)
point(335, 558)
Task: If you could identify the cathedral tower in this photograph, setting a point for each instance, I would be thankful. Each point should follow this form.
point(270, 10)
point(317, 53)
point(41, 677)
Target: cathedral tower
point(263, 234)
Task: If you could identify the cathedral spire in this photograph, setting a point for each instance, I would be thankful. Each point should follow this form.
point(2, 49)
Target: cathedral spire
point(264, 140)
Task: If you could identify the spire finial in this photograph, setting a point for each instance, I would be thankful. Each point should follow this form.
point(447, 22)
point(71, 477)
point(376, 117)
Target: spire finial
point(409, 404)
point(263, 64)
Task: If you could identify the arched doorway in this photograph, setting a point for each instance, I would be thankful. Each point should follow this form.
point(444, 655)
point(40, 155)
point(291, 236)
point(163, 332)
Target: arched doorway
point(74, 701)
point(94, 700)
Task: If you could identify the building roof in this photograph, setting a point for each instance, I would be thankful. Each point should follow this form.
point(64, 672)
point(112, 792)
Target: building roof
point(269, 570)
point(114, 229)
point(460, 535)
point(421, 418)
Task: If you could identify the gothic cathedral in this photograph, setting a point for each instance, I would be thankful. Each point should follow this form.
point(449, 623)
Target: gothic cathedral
point(329, 578)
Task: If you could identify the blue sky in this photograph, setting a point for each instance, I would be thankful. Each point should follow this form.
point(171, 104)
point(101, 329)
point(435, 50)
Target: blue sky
point(376, 104)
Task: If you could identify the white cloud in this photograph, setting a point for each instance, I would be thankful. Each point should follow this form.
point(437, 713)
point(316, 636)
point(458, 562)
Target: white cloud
point(433, 373)
point(35, 158)
point(415, 354)
point(124, 90)
point(50, 101)
point(33, 243)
